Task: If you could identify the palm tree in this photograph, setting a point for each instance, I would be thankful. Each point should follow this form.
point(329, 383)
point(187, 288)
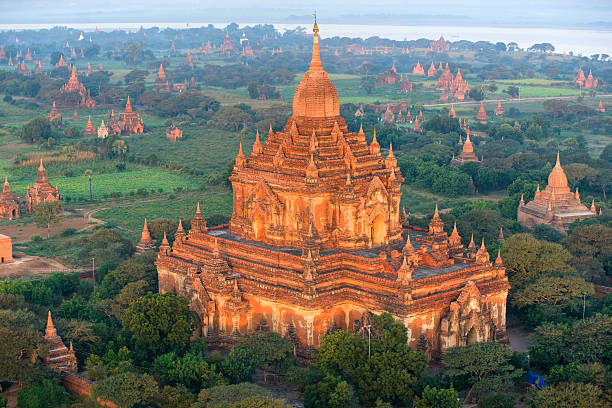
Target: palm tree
point(88, 173)
point(119, 147)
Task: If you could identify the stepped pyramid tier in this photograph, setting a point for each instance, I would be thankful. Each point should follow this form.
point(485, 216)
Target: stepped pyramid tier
point(499, 111)
point(60, 358)
point(113, 125)
point(146, 242)
point(418, 69)
point(440, 46)
point(445, 79)
point(161, 82)
point(556, 205)
point(432, 70)
point(590, 82)
point(129, 121)
point(61, 62)
point(459, 87)
point(90, 129)
point(580, 78)
point(39, 69)
point(9, 204)
point(315, 242)
point(481, 116)
point(54, 114)
point(600, 107)
point(102, 131)
point(388, 77)
point(467, 153)
point(227, 48)
point(40, 191)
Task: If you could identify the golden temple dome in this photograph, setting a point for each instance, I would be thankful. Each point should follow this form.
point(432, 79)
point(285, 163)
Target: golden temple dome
point(467, 146)
point(557, 180)
point(316, 96)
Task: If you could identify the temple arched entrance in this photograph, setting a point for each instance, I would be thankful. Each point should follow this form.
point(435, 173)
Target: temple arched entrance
point(379, 230)
point(472, 336)
point(258, 227)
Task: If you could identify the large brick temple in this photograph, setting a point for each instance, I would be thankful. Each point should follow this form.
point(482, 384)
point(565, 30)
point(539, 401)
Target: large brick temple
point(317, 242)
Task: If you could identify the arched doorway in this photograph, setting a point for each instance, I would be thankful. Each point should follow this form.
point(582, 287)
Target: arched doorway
point(472, 336)
point(379, 230)
point(258, 227)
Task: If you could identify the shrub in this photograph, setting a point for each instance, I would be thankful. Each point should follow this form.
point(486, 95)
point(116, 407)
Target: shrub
point(36, 238)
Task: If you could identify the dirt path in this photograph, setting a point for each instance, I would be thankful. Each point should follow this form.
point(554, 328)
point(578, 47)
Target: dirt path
point(515, 100)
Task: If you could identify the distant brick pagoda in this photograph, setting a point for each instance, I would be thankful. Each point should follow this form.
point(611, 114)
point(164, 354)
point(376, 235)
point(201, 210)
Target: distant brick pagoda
point(60, 358)
point(556, 206)
point(316, 241)
point(129, 121)
point(41, 191)
point(9, 205)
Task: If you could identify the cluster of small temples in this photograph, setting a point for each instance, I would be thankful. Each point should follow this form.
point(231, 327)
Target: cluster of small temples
point(317, 241)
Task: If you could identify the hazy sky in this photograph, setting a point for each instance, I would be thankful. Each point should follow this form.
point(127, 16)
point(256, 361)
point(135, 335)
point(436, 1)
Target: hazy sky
point(469, 12)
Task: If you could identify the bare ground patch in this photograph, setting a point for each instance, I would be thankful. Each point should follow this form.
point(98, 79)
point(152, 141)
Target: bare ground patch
point(26, 265)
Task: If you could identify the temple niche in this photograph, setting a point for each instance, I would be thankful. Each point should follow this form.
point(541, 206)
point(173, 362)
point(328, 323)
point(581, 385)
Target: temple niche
point(317, 242)
point(556, 205)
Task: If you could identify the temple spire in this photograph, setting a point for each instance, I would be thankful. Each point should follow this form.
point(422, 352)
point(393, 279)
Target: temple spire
point(315, 62)
point(50, 329)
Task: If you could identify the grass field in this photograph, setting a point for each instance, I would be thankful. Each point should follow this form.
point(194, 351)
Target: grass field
point(129, 214)
point(206, 149)
point(152, 179)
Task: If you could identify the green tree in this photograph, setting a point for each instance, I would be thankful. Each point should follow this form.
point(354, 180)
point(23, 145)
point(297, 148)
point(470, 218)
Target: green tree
point(497, 400)
point(591, 249)
point(119, 147)
point(526, 259)
point(330, 391)
point(270, 350)
point(240, 364)
point(433, 397)
point(88, 173)
point(486, 365)
point(368, 83)
point(35, 130)
point(176, 397)
point(223, 396)
point(48, 214)
point(567, 395)
point(551, 291)
point(42, 395)
point(159, 324)
point(190, 370)
point(127, 389)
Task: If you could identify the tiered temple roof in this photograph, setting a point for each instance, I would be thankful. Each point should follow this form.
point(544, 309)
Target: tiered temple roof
point(102, 130)
point(161, 82)
point(388, 77)
point(41, 191)
point(146, 242)
point(90, 129)
point(227, 48)
point(556, 205)
point(9, 205)
point(481, 116)
point(129, 121)
point(452, 113)
point(432, 70)
point(445, 79)
point(600, 107)
point(440, 46)
point(315, 241)
point(499, 110)
point(60, 357)
point(54, 114)
point(418, 69)
point(467, 152)
point(459, 87)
